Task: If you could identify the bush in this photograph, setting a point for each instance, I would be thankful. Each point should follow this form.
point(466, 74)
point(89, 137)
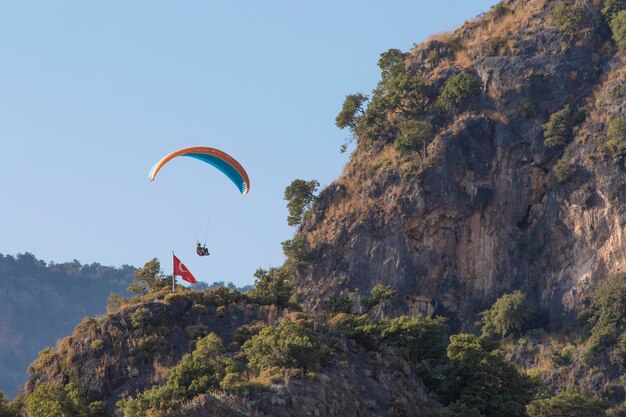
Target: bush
point(612, 8)
point(570, 20)
point(618, 26)
point(196, 331)
point(557, 130)
point(271, 287)
point(287, 345)
point(563, 169)
point(604, 317)
point(152, 346)
point(338, 304)
point(617, 138)
point(569, 403)
point(414, 135)
point(6, 410)
point(298, 253)
point(418, 337)
point(378, 295)
point(509, 315)
point(49, 400)
point(478, 378)
point(140, 318)
point(200, 370)
point(456, 90)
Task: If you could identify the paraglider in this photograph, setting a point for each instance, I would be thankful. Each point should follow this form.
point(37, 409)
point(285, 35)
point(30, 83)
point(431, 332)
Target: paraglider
point(216, 158)
point(201, 250)
point(220, 160)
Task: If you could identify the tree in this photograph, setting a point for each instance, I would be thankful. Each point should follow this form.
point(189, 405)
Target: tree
point(6, 410)
point(299, 195)
point(569, 403)
point(270, 287)
point(200, 370)
point(570, 19)
point(457, 89)
point(414, 135)
point(379, 294)
point(558, 129)
point(479, 378)
point(509, 315)
point(148, 278)
point(617, 135)
point(114, 302)
point(351, 110)
point(287, 345)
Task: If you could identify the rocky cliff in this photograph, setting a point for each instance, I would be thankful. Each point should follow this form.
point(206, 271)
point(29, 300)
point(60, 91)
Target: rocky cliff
point(484, 208)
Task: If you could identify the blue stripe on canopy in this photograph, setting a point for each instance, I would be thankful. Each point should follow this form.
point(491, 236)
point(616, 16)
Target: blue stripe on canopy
point(223, 166)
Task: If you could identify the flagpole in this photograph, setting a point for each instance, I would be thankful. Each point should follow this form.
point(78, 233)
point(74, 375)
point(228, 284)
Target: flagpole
point(173, 276)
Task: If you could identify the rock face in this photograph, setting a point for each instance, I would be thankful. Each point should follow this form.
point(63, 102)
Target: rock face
point(41, 303)
point(124, 353)
point(482, 213)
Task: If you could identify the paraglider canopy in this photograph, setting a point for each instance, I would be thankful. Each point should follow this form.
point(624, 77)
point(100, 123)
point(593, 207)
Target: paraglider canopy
point(220, 160)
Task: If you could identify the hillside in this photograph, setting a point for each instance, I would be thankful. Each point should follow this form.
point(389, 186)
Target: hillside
point(40, 303)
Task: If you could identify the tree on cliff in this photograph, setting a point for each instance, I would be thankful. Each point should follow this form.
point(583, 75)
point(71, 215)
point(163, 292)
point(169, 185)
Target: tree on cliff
point(299, 195)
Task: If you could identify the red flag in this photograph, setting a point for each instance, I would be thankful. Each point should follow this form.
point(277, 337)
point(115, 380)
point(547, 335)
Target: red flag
point(181, 270)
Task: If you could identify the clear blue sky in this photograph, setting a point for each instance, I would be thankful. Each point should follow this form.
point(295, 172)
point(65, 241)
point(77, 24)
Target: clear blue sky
point(92, 94)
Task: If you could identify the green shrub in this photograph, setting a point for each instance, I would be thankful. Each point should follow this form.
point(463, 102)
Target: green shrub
point(245, 332)
point(338, 304)
point(618, 26)
point(200, 370)
point(457, 89)
point(612, 8)
point(378, 295)
point(271, 287)
point(286, 345)
point(140, 318)
point(569, 403)
point(616, 143)
point(298, 253)
point(509, 315)
point(150, 400)
point(557, 130)
point(152, 346)
point(418, 337)
point(49, 400)
point(196, 331)
point(6, 409)
point(570, 20)
point(604, 318)
point(414, 136)
point(563, 169)
point(479, 380)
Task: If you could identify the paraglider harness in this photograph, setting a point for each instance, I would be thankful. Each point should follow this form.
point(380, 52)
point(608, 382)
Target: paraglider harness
point(201, 250)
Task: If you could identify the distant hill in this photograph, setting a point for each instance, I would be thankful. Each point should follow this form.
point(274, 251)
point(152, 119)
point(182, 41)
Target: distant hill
point(41, 302)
